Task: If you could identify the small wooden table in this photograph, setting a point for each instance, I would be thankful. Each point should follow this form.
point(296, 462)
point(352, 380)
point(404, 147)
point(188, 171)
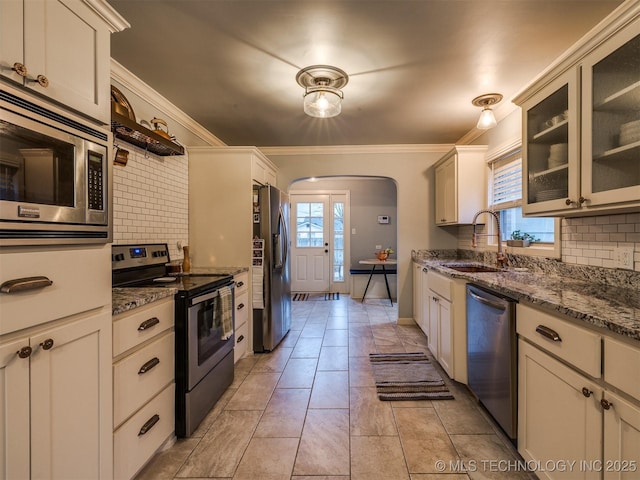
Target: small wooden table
point(375, 262)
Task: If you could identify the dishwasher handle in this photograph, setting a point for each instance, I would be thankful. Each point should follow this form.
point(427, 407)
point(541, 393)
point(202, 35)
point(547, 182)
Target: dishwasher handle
point(497, 306)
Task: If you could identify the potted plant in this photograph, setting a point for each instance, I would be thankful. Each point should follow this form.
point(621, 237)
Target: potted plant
point(520, 239)
point(384, 254)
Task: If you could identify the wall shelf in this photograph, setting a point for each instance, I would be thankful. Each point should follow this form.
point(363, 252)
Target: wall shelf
point(131, 132)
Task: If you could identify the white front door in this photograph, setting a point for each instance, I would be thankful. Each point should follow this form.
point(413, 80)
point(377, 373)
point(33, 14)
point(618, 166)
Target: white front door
point(310, 256)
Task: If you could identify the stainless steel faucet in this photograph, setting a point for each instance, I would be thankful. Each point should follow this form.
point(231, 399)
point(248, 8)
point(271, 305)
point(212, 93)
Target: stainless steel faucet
point(501, 259)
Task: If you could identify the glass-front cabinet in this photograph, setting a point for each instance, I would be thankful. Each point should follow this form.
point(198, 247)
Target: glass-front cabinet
point(581, 130)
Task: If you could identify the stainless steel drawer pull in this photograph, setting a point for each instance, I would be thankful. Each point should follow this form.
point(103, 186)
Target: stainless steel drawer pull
point(240, 306)
point(25, 284)
point(240, 338)
point(149, 424)
point(548, 333)
point(148, 323)
point(149, 365)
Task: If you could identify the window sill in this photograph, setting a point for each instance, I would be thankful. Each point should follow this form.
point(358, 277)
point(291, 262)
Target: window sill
point(531, 251)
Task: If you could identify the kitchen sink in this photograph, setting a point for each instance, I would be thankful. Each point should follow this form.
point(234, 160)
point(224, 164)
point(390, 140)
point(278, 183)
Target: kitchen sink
point(472, 268)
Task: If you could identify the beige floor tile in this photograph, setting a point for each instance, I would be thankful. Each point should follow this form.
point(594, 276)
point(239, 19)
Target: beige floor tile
point(330, 390)
point(390, 348)
point(320, 477)
point(290, 338)
point(424, 439)
point(313, 330)
point(461, 417)
point(361, 347)
point(377, 458)
point(324, 446)
point(368, 415)
point(334, 358)
point(166, 464)
point(268, 459)
point(273, 362)
point(220, 450)
point(360, 372)
point(439, 476)
point(307, 348)
point(411, 404)
point(486, 451)
point(299, 373)
point(242, 369)
point(254, 392)
point(335, 322)
point(214, 413)
point(336, 338)
point(284, 415)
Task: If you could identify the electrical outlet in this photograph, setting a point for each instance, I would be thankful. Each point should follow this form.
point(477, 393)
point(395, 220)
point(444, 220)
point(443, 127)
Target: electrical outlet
point(623, 257)
point(378, 247)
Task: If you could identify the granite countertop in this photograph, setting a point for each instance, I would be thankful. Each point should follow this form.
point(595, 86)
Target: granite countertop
point(217, 270)
point(605, 306)
point(125, 299)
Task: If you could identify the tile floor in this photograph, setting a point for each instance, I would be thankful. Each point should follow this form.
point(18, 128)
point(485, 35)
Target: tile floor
point(309, 411)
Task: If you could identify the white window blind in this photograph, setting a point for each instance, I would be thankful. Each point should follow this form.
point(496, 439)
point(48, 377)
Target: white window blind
point(506, 185)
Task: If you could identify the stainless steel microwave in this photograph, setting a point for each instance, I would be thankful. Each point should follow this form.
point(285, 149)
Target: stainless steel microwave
point(54, 175)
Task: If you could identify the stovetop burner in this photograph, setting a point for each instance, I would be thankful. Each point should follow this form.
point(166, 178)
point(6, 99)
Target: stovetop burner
point(144, 265)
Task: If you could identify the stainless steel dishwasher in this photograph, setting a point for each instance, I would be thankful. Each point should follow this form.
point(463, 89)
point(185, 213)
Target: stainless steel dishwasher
point(492, 354)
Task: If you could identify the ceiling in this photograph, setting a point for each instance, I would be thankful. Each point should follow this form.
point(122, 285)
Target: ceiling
point(414, 66)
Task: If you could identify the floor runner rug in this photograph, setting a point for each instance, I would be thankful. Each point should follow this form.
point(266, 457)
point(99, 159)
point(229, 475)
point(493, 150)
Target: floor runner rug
point(407, 376)
point(299, 297)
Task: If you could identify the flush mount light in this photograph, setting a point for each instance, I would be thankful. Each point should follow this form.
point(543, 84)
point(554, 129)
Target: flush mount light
point(487, 119)
point(322, 94)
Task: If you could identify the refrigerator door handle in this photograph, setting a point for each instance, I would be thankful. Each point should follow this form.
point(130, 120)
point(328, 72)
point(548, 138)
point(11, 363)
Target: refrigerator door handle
point(280, 249)
point(285, 232)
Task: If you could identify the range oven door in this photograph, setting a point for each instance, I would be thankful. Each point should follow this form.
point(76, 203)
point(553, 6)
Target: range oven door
point(206, 346)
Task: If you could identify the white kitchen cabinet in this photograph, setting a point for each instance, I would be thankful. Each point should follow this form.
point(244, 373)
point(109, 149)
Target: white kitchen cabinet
point(580, 126)
point(559, 415)
point(447, 337)
point(241, 306)
point(56, 416)
point(60, 49)
point(143, 384)
point(460, 189)
point(56, 398)
point(263, 171)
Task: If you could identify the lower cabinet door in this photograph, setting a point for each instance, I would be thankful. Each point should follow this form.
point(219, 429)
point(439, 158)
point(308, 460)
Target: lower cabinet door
point(433, 336)
point(242, 342)
point(140, 437)
point(621, 439)
point(71, 400)
point(559, 417)
point(445, 331)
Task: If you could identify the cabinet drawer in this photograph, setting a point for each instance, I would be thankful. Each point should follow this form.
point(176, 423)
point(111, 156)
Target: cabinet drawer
point(242, 342)
point(136, 326)
point(242, 308)
point(578, 346)
point(439, 284)
point(81, 281)
point(242, 282)
point(622, 366)
point(132, 385)
point(131, 447)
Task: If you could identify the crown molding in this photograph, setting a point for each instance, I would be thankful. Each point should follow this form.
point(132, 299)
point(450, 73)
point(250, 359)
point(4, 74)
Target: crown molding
point(111, 17)
point(149, 95)
point(357, 149)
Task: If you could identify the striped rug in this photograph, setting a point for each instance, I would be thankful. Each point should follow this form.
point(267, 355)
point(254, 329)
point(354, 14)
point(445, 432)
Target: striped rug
point(407, 376)
point(300, 297)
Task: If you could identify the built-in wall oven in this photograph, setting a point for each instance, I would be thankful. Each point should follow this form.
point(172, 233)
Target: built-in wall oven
point(54, 175)
point(203, 327)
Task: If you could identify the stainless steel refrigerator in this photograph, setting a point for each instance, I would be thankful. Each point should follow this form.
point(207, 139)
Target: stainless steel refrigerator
point(271, 225)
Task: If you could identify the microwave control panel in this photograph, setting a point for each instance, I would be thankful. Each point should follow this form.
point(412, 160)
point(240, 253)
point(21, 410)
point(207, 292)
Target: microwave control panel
point(95, 183)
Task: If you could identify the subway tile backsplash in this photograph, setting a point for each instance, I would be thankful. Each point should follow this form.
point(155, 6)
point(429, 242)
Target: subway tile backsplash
point(151, 200)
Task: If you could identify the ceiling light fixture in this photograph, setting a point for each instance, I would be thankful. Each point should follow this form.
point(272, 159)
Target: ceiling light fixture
point(322, 94)
point(487, 119)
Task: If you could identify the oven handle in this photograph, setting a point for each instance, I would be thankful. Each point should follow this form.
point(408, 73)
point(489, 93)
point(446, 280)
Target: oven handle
point(208, 296)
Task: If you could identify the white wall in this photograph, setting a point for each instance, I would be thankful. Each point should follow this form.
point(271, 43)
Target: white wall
point(408, 167)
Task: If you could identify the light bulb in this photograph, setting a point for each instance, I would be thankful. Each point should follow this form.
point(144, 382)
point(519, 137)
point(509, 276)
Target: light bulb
point(487, 119)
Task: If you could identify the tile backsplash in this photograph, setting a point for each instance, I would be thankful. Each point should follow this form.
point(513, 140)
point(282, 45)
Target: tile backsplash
point(151, 200)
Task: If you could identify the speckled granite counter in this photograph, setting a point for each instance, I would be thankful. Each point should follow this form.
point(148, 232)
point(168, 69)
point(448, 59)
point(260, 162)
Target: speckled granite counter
point(612, 307)
point(125, 299)
point(217, 270)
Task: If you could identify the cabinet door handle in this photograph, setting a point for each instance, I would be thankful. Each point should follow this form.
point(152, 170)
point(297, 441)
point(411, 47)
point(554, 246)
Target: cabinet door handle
point(581, 200)
point(606, 404)
point(586, 392)
point(569, 202)
point(240, 284)
point(240, 306)
point(20, 69)
point(24, 352)
point(148, 323)
point(548, 333)
point(240, 338)
point(149, 365)
point(47, 344)
point(148, 425)
point(40, 80)
point(25, 284)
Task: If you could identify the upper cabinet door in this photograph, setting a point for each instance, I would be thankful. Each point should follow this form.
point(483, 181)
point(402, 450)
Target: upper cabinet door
point(611, 120)
point(550, 155)
point(59, 49)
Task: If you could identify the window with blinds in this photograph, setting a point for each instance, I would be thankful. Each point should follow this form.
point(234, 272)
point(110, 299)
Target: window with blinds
point(506, 185)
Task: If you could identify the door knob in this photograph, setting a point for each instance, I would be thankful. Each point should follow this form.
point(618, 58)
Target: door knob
point(326, 251)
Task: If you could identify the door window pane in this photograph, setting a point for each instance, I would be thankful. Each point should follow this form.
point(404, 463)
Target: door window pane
point(309, 224)
point(338, 242)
